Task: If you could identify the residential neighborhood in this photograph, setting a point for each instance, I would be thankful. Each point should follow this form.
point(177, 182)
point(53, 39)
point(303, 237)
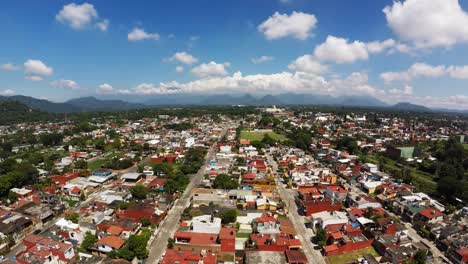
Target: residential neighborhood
point(261, 188)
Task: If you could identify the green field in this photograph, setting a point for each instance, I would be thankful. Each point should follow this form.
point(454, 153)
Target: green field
point(423, 180)
point(351, 257)
point(258, 136)
point(97, 163)
point(465, 146)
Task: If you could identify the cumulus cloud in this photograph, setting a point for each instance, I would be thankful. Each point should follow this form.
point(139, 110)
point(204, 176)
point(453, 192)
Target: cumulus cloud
point(103, 25)
point(7, 92)
point(36, 70)
point(435, 23)
point(138, 34)
point(380, 46)
point(425, 70)
point(105, 88)
point(309, 64)
point(9, 67)
point(211, 69)
point(179, 69)
point(339, 50)
point(459, 72)
point(81, 16)
point(184, 57)
point(297, 25)
point(66, 84)
point(407, 90)
point(262, 59)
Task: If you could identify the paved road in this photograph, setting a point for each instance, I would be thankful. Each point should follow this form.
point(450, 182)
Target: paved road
point(170, 224)
point(288, 196)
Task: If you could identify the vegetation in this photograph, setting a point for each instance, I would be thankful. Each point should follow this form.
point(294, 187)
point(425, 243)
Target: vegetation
point(88, 242)
point(139, 192)
point(259, 136)
point(224, 181)
point(135, 246)
point(229, 216)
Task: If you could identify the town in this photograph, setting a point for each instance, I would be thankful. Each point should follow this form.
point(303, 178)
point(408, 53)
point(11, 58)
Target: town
point(236, 185)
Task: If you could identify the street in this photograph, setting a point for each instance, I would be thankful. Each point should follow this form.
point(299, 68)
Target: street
point(304, 234)
point(171, 223)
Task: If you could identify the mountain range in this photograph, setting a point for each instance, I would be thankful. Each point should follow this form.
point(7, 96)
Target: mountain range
point(115, 103)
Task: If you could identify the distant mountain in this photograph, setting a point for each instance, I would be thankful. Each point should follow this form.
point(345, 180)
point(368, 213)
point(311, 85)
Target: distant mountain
point(41, 104)
point(15, 112)
point(93, 104)
point(410, 107)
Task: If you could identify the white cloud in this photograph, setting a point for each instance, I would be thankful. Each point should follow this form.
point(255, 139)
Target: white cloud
point(380, 46)
point(407, 90)
point(67, 84)
point(459, 72)
point(211, 69)
point(103, 25)
point(179, 69)
point(138, 34)
point(428, 23)
point(309, 64)
point(184, 57)
point(297, 25)
point(105, 88)
point(425, 70)
point(7, 92)
point(77, 16)
point(262, 59)
point(36, 70)
point(34, 78)
point(339, 50)
point(9, 67)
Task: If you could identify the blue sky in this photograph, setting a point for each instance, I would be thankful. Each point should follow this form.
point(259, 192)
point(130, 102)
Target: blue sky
point(60, 49)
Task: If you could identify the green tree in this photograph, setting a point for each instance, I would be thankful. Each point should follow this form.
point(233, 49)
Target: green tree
point(224, 181)
point(139, 192)
point(81, 164)
point(88, 241)
point(320, 236)
point(420, 257)
point(229, 216)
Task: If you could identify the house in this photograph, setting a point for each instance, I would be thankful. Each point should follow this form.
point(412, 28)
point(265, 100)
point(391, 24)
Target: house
point(460, 256)
point(39, 249)
point(296, 257)
point(429, 215)
point(206, 224)
point(132, 177)
point(108, 243)
point(172, 256)
point(336, 193)
point(323, 219)
point(196, 242)
point(319, 205)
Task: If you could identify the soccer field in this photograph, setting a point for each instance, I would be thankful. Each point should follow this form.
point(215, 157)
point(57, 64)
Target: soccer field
point(258, 136)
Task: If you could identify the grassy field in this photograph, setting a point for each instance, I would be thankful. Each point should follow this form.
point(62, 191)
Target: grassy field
point(351, 257)
point(465, 146)
point(425, 181)
point(258, 136)
point(97, 163)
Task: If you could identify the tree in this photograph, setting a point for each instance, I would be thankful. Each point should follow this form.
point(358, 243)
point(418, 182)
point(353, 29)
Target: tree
point(347, 143)
point(420, 257)
point(229, 216)
point(145, 222)
point(224, 181)
point(320, 236)
point(81, 164)
point(74, 217)
point(139, 192)
point(88, 241)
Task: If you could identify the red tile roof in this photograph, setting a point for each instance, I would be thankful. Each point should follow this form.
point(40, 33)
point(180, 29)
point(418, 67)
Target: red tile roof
point(113, 241)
